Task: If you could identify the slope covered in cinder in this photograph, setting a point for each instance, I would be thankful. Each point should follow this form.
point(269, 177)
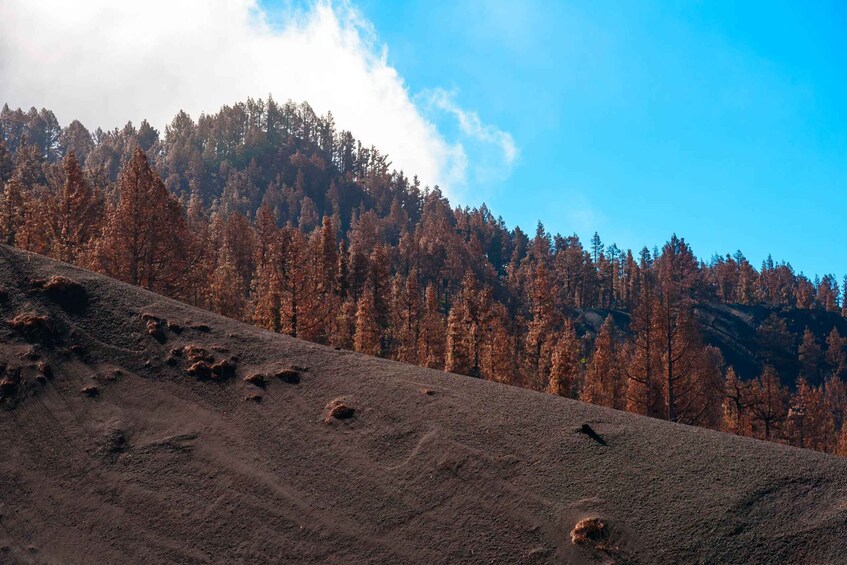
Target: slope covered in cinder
point(113, 453)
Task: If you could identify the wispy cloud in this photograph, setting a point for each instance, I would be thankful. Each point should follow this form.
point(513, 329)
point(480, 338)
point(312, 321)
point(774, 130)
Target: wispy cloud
point(106, 62)
point(494, 151)
point(471, 125)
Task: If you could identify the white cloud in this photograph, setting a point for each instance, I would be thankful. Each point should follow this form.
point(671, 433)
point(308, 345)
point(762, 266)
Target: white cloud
point(105, 62)
point(494, 151)
point(471, 125)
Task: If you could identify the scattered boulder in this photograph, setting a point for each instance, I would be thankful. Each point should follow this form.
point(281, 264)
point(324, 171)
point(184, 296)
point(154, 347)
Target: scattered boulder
point(77, 349)
point(65, 292)
point(44, 369)
point(109, 377)
point(290, 376)
point(337, 410)
point(223, 370)
point(155, 327)
point(257, 379)
point(200, 369)
point(427, 391)
point(175, 328)
point(590, 531)
point(173, 356)
point(200, 328)
point(156, 332)
point(7, 386)
point(9, 380)
point(91, 391)
point(33, 327)
point(253, 398)
point(589, 431)
point(195, 353)
point(30, 354)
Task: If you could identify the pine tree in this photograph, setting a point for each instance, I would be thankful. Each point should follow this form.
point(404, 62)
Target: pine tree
point(603, 382)
point(738, 399)
point(679, 339)
point(539, 337)
point(73, 217)
point(408, 308)
point(12, 211)
point(431, 343)
point(367, 338)
point(379, 283)
point(810, 356)
point(768, 408)
point(226, 293)
point(291, 264)
point(267, 296)
point(566, 364)
point(774, 338)
point(7, 163)
point(143, 242)
point(457, 356)
point(809, 419)
point(642, 359)
point(267, 234)
point(836, 353)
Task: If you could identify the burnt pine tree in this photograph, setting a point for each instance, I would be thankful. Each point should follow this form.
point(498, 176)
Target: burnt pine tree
point(679, 340)
point(143, 242)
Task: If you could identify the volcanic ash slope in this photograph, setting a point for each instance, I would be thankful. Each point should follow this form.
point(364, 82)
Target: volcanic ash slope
point(137, 429)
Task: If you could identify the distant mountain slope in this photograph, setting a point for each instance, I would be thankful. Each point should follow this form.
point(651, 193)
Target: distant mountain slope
point(733, 328)
point(156, 465)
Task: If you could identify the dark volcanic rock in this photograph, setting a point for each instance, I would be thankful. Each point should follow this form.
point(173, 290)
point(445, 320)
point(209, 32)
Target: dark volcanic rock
point(67, 293)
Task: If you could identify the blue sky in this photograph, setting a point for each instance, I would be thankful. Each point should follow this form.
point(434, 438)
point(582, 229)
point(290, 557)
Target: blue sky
point(725, 122)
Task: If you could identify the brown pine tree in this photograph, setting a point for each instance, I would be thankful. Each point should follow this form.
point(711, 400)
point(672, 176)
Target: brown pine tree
point(408, 310)
point(566, 366)
point(810, 422)
point(836, 354)
point(12, 211)
point(267, 296)
point(73, 216)
point(810, 356)
point(458, 356)
point(603, 383)
point(431, 343)
point(768, 408)
point(368, 336)
point(738, 399)
point(679, 341)
point(642, 360)
point(227, 293)
point(539, 337)
point(143, 242)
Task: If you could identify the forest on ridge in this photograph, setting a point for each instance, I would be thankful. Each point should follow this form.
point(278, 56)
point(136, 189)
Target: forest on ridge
point(267, 213)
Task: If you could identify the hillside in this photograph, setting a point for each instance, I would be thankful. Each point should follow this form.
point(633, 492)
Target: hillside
point(160, 465)
point(733, 329)
point(268, 214)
